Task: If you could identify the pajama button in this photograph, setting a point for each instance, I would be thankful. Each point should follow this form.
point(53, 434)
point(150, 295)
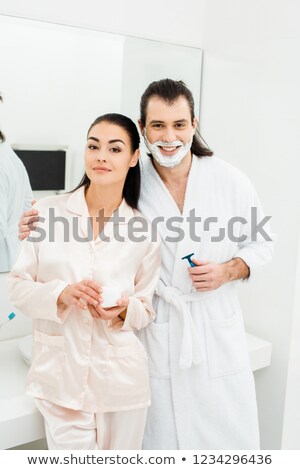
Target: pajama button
point(85, 320)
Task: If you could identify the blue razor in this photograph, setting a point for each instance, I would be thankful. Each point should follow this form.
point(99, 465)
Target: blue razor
point(188, 257)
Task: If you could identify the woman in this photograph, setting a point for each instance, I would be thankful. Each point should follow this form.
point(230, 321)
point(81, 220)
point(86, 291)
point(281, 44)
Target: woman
point(89, 372)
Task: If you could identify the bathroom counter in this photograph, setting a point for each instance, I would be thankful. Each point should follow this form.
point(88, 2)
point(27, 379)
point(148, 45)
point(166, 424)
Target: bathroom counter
point(20, 421)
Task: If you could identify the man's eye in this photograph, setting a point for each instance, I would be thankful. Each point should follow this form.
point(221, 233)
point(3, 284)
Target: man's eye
point(157, 126)
point(180, 125)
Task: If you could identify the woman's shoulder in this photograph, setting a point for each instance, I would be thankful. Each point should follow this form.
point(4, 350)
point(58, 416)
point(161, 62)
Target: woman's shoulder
point(52, 201)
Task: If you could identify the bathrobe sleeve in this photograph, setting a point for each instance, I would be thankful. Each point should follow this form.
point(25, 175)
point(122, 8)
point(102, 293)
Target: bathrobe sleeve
point(35, 299)
point(4, 204)
point(257, 240)
point(140, 310)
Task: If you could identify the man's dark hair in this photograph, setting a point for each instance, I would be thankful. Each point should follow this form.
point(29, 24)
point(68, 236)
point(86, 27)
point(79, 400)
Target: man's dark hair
point(169, 91)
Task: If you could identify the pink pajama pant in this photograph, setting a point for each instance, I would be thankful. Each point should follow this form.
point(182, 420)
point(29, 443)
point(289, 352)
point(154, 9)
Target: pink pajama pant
point(79, 430)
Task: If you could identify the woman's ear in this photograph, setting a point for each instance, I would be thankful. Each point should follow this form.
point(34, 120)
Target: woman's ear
point(135, 158)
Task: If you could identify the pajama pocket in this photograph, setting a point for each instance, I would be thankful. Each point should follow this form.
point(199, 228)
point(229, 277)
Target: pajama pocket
point(48, 358)
point(155, 338)
point(227, 351)
point(127, 370)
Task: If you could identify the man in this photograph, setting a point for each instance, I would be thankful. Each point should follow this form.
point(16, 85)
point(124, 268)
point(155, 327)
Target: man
point(15, 197)
point(203, 394)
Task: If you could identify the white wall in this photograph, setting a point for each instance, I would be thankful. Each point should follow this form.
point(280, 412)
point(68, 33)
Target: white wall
point(174, 21)
point(250, 117)
point(291, 423)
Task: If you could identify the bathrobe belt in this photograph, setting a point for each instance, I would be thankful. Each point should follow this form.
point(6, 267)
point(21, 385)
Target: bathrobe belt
point(190, 351)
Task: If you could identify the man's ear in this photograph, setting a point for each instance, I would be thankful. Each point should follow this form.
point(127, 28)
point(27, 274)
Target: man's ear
point(141, 126)
point(195, 124)
point(135, 158)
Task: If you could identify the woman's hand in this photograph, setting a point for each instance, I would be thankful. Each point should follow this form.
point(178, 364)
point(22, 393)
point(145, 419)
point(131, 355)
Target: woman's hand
point(81, 294)
point(112, 312)
point(28, 222)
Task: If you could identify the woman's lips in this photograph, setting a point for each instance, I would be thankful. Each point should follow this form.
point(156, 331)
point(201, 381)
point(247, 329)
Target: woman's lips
point(101, 169)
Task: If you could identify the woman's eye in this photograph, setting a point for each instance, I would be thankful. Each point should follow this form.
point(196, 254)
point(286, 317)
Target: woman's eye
point(115, 150)
point(92, 147)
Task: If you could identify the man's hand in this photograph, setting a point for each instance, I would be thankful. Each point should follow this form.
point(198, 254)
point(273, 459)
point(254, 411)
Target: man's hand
point(28, 222)
point(110, 313)
point(208, 276)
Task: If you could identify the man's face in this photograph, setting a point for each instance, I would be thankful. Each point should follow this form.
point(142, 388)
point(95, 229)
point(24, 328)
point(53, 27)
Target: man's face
point(169, 123)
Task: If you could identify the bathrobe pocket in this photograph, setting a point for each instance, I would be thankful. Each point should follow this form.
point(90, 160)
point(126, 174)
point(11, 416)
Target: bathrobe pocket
point(227, 351)
point(155, 338)
point(127, 370)
point(49, 357)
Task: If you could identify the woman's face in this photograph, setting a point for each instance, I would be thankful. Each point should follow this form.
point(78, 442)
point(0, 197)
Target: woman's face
point(108, 154)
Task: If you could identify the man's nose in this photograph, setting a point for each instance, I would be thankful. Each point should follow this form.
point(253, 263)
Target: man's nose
point(169, 135)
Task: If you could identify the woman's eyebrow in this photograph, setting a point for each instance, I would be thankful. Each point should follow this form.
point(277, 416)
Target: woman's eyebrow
point(113, 141)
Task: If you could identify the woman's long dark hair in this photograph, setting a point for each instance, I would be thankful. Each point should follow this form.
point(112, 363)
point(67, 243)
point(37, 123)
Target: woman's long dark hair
point(132, 185)
point(2, 136)
point(170, 90)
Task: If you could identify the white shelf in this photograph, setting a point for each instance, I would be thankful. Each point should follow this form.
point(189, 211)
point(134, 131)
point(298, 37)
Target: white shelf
point(20, 421)
point(260, 352)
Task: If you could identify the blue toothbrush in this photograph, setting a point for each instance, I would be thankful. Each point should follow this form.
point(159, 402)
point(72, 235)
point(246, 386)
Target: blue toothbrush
point(10, 317)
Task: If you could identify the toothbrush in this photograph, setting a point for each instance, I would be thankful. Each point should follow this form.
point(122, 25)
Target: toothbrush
point(10, 317)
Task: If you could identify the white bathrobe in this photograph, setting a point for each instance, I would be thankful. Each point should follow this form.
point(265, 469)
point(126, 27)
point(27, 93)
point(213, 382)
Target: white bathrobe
point(203, 394)
point(15, 198)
